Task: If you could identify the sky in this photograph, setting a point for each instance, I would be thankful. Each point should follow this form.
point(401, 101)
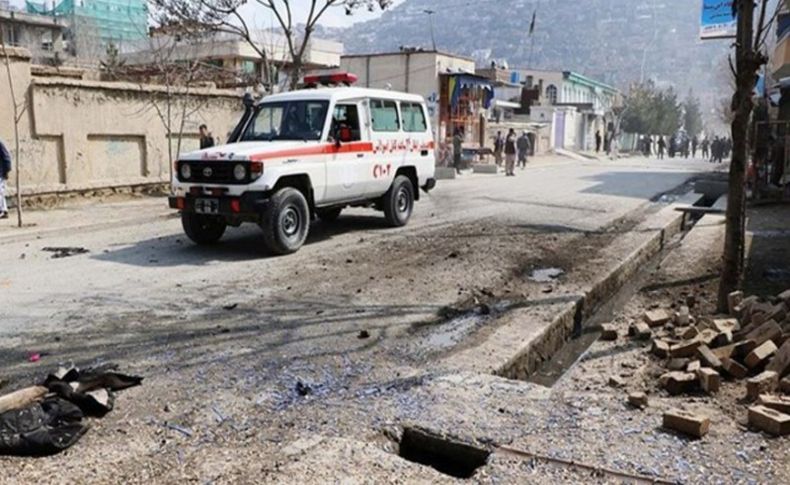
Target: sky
point(334, 17)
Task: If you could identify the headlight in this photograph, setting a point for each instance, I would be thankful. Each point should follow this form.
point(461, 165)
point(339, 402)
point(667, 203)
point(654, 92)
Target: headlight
point(239, 172)
point(186, 171)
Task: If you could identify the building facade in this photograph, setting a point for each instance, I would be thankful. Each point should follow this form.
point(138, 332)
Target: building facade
point(42, 36)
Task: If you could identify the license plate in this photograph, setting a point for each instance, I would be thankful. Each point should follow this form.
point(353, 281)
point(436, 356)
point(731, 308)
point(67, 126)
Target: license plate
point(207, 206)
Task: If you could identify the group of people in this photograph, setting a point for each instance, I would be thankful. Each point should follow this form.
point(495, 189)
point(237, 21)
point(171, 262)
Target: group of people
point(510, 148)
point(715, 150)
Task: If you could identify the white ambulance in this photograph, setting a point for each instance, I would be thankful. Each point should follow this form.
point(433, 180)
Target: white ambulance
point(304, 154)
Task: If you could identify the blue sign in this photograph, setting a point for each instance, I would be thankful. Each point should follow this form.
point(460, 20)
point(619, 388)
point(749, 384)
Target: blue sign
point(718, 21)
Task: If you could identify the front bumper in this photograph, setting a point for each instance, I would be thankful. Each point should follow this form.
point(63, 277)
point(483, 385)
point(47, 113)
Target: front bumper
point(249, 204)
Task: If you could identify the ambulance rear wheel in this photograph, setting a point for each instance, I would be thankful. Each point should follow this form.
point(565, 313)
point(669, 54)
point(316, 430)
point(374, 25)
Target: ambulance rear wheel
point(203, 229)
point(399, 201)
point(286, 221)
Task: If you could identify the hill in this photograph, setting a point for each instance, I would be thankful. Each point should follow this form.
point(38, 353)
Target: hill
point(615, 41)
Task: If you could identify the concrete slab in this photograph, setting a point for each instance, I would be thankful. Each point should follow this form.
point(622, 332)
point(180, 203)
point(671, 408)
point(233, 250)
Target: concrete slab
point(485, 168)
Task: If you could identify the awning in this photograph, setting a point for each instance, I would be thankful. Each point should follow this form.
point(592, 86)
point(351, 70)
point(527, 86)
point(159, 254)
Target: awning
point(461, 82)
point(499, 103)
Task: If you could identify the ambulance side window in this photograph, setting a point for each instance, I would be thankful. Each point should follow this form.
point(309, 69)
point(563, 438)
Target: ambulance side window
point(347, 115)
point(384, 115)
point(413, 118)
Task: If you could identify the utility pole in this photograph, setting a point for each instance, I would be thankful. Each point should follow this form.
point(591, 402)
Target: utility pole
point(747, 62)
point(430, 14)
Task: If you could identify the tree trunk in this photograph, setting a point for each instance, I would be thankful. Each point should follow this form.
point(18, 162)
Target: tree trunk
point(747, 64)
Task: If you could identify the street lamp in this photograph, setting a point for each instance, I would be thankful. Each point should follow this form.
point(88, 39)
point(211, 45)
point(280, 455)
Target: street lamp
point(430, 16)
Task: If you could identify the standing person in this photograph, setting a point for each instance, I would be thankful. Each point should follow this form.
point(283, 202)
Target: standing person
point(662, 145)
point(510, 153)
point(705, 148)
point(694, 143)
point(457, 147)
point(523, 146)
point(5, 169)
point(598, 140)
point(499, 145)
point(206, 140)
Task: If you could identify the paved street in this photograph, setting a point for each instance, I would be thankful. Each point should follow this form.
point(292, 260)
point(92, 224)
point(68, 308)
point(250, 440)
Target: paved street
point(230, 326)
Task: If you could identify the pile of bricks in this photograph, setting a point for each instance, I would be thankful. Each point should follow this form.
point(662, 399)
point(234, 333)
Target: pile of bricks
point(751, 344)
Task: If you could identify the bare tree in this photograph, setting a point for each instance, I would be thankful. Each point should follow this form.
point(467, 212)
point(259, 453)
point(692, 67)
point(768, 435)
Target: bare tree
point(203, 16)
point(18, 111)
point(750, 45)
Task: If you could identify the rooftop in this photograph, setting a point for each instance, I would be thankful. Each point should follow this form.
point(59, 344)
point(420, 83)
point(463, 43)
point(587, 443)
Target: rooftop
point(412, 52)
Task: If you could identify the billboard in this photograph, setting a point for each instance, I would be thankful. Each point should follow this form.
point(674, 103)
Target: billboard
point(718, 21)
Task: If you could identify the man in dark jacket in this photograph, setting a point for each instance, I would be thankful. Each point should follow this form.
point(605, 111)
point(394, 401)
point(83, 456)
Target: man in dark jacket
point(206, 140)
point(510, 153)
point(523, 146)
point(5, 169)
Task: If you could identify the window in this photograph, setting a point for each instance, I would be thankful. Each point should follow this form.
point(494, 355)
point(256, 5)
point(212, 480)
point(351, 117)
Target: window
point(413, 117)
point(384, 115)
point(551, 94)
point(289, 120)
point(346, 115)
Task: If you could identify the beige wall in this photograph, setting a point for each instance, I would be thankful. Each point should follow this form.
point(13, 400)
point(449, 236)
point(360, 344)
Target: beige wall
point(78, 135)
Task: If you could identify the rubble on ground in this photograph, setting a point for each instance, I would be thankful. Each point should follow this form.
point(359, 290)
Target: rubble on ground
point(749, 346)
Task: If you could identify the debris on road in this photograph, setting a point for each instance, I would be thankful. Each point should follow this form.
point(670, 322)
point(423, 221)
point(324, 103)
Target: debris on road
point(65, 252)
point(49, 418)
point(638, 400)
point(363, 334)
point(687, 422)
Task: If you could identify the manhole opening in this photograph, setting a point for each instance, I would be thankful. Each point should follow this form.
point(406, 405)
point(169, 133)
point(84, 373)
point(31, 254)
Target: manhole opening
point(453, 458)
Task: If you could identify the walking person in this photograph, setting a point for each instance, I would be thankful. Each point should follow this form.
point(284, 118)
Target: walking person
point(705, 148)
point(598, 141)
point(523, 145)
point(694, 144)
point(206, 140)
point(662, 146)
point(457, 147)
point(5, 169)
point(499, 145)
point(510, 153)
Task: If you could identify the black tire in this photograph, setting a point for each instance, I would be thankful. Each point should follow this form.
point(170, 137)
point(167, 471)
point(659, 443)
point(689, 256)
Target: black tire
point(399, 201)
point(329, 214)
point(203, 229)
point(286, 221)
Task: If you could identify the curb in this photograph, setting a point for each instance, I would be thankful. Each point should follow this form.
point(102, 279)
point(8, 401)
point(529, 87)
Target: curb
point(562, 327)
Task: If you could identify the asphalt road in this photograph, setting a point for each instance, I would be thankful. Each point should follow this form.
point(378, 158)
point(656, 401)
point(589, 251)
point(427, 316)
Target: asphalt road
point(227, 326)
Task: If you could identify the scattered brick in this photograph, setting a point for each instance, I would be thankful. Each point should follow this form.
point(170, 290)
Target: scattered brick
point(708, 358)
point(638, 399)
point(764, 383)
point(726, 324)
point(709, 380)
point(778, 403)
point(640, 330)
point(760, 354)
point(616, 381)
point(687, 422)
point(766, 331)
point(678, 382)
point(733, 300)
point(733, 368)
point(683, 315)
point(678, 363)
point(688, 333)
point(781, 362)
point(784, 385)
point(660, 348)
point(687, 348)
point(693, 366)
point(656, 318)
point(608, 332)
point(737, 350)
point(769, 420)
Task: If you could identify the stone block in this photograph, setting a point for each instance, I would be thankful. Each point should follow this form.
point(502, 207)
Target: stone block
point(733, 300)
point(765, 332)
point(687, 422)
point(726, 324)
point(678, 363)
point(693, 366)
point(784, 385)
point(608, 332)
point(733, 368)
point(687, 348)
point(640, 331)
point(778, 403)
point(688, 333)
point(709, 380)
point(760, 355)
point(638, 399)
point(737, 350)
point(708, 358)
point(764, 383)
point(485, 168)
point(678, 382)
point(656, 318)
point(769, 420)
point(683, 316)
point(616, 381)
point(708, 336)
point(781, 361)
point(660, 348)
